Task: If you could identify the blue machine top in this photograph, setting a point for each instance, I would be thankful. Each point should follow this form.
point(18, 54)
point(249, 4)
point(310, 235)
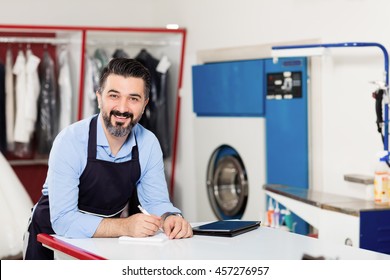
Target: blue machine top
point(229, 88)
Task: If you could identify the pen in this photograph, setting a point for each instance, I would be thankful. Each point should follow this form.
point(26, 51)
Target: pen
point(143, 211)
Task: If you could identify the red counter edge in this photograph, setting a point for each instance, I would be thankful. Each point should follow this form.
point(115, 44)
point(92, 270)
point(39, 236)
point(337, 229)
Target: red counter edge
point(66, 248)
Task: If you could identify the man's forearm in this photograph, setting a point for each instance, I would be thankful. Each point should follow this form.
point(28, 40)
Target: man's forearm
point(110, 227)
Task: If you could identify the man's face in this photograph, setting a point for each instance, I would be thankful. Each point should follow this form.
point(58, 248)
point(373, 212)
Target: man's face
point(122, 103)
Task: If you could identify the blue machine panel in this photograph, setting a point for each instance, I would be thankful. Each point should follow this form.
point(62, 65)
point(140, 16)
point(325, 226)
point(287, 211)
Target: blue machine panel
point(229, 88)
point(375, 230)
point(287, 125)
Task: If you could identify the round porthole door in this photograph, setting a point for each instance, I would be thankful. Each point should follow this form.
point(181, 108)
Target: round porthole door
point(227, 183)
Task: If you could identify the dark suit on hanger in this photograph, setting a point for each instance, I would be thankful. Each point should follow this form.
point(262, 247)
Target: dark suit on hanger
point(48, 106)
point(120, 53)
point(156, 116)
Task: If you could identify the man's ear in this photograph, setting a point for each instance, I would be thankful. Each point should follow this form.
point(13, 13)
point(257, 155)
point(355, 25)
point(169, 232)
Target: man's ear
point(146, 103)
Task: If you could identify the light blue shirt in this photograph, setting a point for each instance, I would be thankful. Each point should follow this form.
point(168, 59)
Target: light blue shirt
point(67, 160)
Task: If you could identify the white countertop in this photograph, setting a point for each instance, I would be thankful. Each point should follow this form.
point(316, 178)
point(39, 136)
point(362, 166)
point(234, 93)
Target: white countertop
point(262, 243)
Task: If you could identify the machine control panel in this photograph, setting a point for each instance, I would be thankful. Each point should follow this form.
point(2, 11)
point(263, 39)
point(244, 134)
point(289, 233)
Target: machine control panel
point(284, 85)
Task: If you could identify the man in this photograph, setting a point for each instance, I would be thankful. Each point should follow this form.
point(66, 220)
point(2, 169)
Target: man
point(103, 167)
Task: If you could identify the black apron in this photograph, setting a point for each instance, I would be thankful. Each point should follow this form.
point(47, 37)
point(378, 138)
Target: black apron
point(105, 189)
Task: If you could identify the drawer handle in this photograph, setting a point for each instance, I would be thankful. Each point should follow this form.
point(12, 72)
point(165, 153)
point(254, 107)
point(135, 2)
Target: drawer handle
point(348, 242)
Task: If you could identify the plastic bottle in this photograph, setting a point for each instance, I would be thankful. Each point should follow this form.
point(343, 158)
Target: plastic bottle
point(277, 216)
point(270, 213)
point(386, 199)
point(381, 180)
point(283, 223)
point(288, 219)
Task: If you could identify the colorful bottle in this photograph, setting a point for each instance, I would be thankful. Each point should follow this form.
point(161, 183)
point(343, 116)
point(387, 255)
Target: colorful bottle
point(381, 180)
point(270, 213)
point(277, 216)
point(287, 219)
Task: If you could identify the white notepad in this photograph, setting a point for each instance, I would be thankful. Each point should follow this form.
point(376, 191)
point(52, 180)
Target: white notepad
point(157, 238)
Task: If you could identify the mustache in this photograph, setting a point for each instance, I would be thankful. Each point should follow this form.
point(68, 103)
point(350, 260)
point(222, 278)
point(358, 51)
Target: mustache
point(120, 114)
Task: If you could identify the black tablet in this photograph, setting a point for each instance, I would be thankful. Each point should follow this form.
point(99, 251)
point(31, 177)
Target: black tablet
point(226, 228)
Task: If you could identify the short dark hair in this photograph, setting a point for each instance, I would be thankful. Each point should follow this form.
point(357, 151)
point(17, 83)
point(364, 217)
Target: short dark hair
point(125, 67)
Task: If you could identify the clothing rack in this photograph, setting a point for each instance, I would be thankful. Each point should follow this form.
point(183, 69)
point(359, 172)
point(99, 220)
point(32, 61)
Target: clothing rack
point(88, 36)
point(35, 40)
point(121, 42)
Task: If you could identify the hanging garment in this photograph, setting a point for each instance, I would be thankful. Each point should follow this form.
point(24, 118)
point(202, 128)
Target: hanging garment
point(48, 106)
point(65, 90)
point(89, 99)
point(118, 53)
point(32, 91)
point(156, 116)
point(101, 58)
point(10, 100)
point(21, 132)
point(95, 76)
point(3, 137)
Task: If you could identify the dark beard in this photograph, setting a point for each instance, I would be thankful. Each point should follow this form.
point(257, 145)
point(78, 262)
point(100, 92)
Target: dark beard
point(119, 130)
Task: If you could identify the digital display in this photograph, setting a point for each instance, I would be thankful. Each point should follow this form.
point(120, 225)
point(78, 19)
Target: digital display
point(284, 85)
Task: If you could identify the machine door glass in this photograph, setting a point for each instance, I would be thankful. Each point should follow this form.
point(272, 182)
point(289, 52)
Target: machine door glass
point(227, 183)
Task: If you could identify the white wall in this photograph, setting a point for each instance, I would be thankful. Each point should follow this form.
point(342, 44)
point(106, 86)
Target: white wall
point(344, 133)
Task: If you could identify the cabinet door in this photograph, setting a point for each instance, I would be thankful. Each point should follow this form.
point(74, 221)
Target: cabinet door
point(375, 230)
point(338, 228)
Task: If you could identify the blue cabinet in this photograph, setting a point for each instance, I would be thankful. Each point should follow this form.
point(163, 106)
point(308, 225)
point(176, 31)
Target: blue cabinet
point(375, 230)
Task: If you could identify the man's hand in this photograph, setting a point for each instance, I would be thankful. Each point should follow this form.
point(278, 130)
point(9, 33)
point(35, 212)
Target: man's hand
point(141, 225)
point(137, 225)
point(176, 227)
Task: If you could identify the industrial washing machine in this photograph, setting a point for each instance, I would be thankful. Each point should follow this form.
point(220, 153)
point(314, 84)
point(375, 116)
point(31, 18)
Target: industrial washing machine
point(229, 139)
point(250, 129)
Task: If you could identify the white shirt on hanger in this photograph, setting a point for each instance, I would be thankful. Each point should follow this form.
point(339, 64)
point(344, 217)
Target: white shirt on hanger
point(21, 133)
point(10, 100)
point(33, 88)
